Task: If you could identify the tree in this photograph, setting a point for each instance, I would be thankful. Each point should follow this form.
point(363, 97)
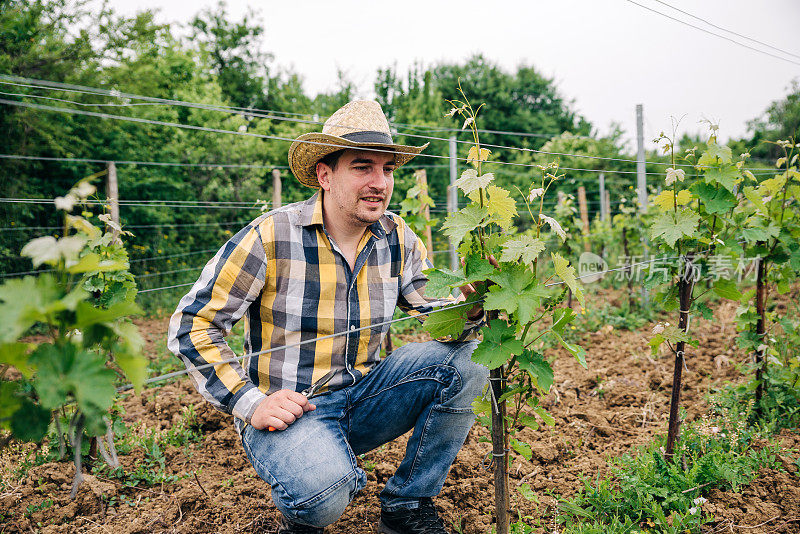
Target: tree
point(781, 120)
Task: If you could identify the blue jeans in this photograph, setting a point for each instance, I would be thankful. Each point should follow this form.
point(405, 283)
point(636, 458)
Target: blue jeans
point(311, 465)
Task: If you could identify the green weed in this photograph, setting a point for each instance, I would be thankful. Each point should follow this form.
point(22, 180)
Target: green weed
point(152, 469)
point(644, 491)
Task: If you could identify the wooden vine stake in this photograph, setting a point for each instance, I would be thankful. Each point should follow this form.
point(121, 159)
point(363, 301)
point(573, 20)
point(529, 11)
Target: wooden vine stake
point(761, 329)
point(685, 287)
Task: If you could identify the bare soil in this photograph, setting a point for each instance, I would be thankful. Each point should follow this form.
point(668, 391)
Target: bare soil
point(619, 403)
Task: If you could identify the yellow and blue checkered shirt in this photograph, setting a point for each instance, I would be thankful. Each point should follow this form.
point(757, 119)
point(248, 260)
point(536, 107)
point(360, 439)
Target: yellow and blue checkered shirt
point(291, 283)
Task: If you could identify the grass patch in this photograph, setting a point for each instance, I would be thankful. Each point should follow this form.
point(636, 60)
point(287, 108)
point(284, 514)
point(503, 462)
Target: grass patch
point(643, 492)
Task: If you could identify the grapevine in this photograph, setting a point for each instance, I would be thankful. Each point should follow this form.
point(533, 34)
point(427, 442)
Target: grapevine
point(82, 305)
point(521, 309)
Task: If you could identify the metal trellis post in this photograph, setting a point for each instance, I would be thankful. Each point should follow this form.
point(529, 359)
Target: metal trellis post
point(452, 198)
point(641, 183)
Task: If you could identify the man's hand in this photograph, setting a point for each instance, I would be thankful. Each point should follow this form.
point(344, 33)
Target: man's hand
point(475, 312)
point(280, 409)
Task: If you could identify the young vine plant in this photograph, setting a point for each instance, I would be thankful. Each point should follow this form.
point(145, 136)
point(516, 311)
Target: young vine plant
point(695, 225)
point(87, 344)
point(522, 309)
point(769, 216)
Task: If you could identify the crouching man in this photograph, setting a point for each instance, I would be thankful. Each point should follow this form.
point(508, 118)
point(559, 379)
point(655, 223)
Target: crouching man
point(337, 263)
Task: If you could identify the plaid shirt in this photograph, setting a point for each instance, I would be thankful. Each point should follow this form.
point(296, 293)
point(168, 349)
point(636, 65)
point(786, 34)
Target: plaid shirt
point(290, 281)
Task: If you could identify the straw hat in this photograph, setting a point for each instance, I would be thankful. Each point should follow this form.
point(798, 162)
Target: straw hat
point(357, 124)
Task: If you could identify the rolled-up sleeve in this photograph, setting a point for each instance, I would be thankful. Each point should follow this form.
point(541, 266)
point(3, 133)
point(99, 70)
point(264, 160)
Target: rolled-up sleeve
point(229, 283)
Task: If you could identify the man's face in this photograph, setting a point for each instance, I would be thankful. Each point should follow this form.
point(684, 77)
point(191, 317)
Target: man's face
point(359, 190)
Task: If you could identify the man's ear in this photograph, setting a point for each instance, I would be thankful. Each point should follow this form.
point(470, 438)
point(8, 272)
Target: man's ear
point(324, 176)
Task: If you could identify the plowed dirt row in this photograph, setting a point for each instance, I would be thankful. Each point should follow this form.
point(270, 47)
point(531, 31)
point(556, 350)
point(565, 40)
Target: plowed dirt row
point(619, 403)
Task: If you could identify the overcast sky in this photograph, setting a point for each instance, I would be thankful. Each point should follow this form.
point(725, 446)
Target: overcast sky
point(606, 55)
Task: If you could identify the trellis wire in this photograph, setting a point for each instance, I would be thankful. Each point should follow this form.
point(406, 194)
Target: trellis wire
point(354, 330)
point(245, 133)
point(56, 86)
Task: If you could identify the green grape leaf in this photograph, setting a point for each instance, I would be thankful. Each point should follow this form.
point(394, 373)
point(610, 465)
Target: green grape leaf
point(499, 344)
point(752, 195)
point(529, 302)
point(134, 365)
point(724, 176)
point(794, 259)
point(16, 355)
point(30, 422)
point(441, 282)
point(87, 315)
point(666, 199)
point(714, 151)
point(513, 276)
point(760, 233)
point(546, 417)
point(477, 269)
point(129, 336)
point(561, 318)
point(529, 421)
point(672, 226)
point(536, 366)
point(705, 311)
point(716, 199)
point(566, 272)
point(727, 289)
point(522, 448)
point(24, 301)
point(64, 371)
point(481, 406)
point(449, 322)
point(501, 207)
point(10, 401)
point(525, 248)
point(772, 186)
point(514, 283)
point(576, 350)
point(475, 156)
point(470, 181)
point(462, 222)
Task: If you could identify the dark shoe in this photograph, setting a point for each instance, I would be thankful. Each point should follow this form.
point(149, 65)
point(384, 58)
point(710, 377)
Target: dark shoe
point(422, 520)
point(290, 527)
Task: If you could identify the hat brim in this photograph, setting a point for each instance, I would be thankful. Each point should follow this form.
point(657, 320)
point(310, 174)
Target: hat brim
point(308, 149)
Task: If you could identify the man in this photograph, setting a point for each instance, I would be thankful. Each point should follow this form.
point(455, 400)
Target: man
point(337, 263)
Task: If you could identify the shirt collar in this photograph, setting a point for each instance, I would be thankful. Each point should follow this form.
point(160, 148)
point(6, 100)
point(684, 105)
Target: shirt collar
point(311, 214)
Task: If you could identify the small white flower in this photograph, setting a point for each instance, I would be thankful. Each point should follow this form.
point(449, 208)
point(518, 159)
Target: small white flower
point(714, 430)
point(700, 500)
point(66, 203)
point(693, 510)
point(452, 112)
point(535, 193)
point(467, 122)
point(242, 128)
point(675, 174)
point(83, 190)
point(554, 226)
point(76, 336)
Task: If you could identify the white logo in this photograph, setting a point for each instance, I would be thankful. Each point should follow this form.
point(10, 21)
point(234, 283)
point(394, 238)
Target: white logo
point(590, 267)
